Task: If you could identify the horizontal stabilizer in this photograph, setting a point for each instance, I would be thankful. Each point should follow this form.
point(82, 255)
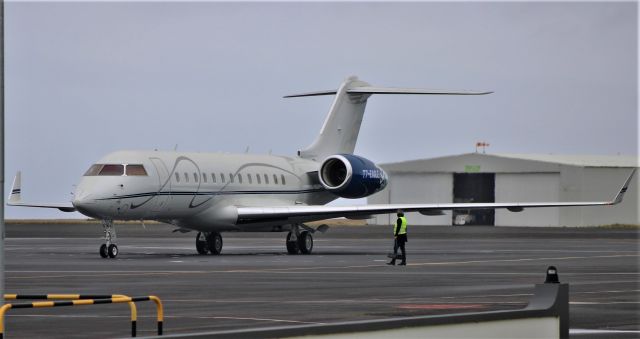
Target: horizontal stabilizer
point(311, 94)
point(389, 90)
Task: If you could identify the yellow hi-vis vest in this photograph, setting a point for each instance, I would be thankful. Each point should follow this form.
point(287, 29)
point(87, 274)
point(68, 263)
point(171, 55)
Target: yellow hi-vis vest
point(403, 226)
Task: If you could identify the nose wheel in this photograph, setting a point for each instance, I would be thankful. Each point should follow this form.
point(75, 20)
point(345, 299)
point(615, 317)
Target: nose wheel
point(109, 249)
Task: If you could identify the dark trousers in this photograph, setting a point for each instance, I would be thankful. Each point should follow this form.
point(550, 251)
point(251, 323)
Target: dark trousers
point(399, 243)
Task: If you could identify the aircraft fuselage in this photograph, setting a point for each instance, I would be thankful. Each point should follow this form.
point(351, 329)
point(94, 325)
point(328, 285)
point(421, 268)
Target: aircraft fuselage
point(195, 190)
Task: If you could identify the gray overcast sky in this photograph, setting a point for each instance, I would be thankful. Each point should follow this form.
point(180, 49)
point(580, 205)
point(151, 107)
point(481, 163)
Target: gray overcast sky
point(85, 79)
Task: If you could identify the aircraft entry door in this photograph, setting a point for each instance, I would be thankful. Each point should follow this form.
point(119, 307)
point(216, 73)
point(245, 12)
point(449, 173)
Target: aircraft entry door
point(474, 187)
point(164, 185)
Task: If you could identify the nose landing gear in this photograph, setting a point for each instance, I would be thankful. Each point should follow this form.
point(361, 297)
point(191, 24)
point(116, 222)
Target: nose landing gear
point(109, 249)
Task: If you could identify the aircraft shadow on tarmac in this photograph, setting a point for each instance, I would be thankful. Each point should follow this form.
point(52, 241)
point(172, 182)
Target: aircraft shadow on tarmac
point(139, 255)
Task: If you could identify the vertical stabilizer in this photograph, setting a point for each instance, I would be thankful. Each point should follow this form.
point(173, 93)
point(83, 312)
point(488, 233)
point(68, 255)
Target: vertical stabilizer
point(340, 130)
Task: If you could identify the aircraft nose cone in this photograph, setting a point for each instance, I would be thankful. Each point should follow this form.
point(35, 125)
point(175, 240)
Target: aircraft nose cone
point(81, 198)
point(84, 203)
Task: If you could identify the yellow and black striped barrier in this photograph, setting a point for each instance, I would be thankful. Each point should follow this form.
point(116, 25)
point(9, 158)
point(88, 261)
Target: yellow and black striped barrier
point(132, 305)
point(80, 300)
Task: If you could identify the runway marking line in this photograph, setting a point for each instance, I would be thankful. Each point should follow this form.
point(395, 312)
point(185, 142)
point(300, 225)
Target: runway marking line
point(171, 317)
point(308, 268)
point(587, 331)
point(440, 306)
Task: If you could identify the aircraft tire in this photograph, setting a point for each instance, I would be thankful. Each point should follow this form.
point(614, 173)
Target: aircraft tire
point(103, 251)
point(201, 244)
point(305, 242)
point(214, 242)
point(292, 246)
point(113, 251)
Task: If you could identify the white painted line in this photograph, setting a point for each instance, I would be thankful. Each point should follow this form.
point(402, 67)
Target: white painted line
point(602, 303)
point(587, 331)
point(166, 317)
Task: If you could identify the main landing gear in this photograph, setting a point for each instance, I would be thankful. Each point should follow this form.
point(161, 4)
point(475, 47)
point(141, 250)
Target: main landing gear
point(208, 242)
point(109, 249)
point(299, 242)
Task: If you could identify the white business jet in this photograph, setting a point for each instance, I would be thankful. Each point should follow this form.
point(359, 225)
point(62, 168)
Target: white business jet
point(213, 193)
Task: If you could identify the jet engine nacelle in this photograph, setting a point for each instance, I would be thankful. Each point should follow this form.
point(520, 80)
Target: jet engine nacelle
point(351, 176)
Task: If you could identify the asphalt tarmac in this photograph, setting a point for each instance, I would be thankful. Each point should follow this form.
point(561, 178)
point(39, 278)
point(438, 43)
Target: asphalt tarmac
point(254, 283)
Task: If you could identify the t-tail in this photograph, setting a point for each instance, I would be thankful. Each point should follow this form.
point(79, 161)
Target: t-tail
point(340, 130)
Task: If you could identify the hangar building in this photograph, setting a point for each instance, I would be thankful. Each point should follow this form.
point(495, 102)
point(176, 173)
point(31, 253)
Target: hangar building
point(477, 177)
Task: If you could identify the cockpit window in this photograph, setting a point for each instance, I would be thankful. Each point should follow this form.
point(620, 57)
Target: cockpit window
point(93, 170)
point(112, 170)
point(105, 169)
point(136, 170)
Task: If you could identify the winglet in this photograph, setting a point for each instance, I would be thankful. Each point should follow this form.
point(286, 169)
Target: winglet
point(15, 195)
point(623, 190)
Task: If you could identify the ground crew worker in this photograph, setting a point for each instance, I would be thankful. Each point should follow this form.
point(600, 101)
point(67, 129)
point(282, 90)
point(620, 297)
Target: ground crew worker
point(400, 234)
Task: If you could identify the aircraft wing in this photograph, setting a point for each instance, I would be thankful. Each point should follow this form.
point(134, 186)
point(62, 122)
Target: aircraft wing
point(298, 214)
point(15, 198)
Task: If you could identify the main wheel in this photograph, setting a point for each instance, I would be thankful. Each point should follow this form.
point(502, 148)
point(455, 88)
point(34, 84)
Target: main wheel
point(305, 242)
point(292, 245)
point(201, 244)
point(103, 251)
point(214, 242)
point(113, 251)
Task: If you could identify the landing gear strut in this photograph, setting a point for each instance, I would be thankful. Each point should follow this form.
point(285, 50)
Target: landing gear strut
point(299, 242)
point(109, 249)
point(208, 242)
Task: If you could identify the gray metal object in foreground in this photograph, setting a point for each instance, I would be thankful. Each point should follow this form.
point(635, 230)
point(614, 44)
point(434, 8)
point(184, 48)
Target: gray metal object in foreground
point(546, 316)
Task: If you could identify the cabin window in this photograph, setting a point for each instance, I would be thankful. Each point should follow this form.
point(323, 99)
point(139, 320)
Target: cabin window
point(266, 179)
point(249, 178)
point(213, 177)
point(177, 177)
point(204, 177)
point(136, 170)
point(186, 177)
point(195, 177)
point(282, 178)
point(258, 178)
point(222, 177)
point(239, 178)
point(231, 178)
point(275, 179)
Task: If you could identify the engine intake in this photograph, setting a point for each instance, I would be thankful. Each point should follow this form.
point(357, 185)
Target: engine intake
point(351, 176)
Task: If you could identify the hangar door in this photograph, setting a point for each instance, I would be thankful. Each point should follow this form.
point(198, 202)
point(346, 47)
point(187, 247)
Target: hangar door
point(528, 187)
point(474, 187)
point(413, 188)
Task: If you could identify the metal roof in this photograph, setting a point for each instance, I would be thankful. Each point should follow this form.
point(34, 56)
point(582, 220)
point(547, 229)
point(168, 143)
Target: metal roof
point(579, 160)
point(550, 159)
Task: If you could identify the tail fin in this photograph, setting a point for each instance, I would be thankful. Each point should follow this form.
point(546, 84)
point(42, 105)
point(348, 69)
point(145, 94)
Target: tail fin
point(342, 125)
